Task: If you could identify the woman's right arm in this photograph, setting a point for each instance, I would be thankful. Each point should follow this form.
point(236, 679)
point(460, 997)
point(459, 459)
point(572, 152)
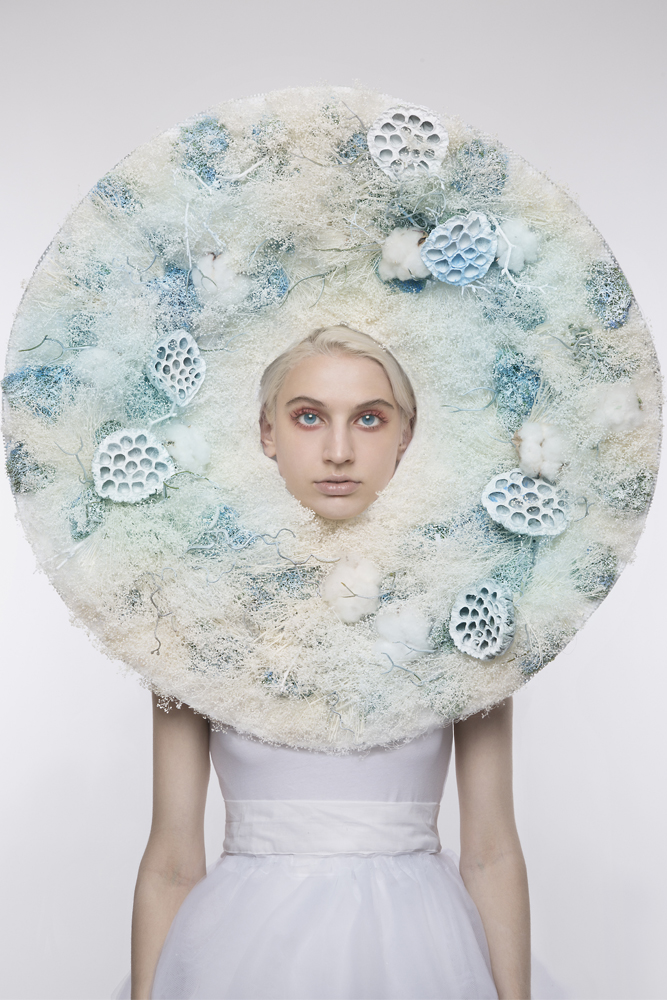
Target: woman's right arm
point(174, 859)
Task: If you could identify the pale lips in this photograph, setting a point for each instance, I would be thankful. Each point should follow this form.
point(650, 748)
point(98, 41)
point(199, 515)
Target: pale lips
point(337, 486)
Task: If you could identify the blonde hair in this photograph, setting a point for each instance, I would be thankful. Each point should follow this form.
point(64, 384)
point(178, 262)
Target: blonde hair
point(330, 341)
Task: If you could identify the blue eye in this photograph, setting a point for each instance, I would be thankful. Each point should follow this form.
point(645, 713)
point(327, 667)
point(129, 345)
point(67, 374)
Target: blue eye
point(308, 418)
point(369, 420)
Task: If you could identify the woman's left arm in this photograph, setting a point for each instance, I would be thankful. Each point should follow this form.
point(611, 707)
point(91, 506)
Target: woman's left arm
point(492, 865)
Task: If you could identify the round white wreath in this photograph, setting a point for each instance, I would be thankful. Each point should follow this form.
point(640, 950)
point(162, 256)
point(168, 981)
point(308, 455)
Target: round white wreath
point(131, 417)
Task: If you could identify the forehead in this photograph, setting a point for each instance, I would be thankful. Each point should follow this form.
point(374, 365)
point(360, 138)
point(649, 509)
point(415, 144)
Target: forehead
point(341, 378)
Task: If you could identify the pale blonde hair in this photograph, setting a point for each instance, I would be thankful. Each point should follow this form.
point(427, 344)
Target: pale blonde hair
point(331, 341)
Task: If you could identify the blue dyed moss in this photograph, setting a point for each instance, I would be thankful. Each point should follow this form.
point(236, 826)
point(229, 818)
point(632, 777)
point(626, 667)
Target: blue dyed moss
point(81, 330)
point(144, 402)
point(285, 687)
point(204, 142)
point(353, 148)
point(413, 285)
point(596, 573)
point(632, 495)
point(609, 294)
point(225, 534)
point(270, 286)
point(26, 475)
point(480, 171)
point(440, 638)
point(41, 388)
point(501, 301)
point(298, 582)
point(178, 300)
point(117, 193)
point(108, 427)
point(86, 514)
point(516, 385)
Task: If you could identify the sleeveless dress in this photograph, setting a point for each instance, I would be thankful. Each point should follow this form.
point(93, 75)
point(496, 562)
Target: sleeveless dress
point(331, 885)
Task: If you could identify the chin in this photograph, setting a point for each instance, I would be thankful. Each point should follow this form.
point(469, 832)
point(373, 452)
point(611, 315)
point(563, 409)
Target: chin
point(338, 511)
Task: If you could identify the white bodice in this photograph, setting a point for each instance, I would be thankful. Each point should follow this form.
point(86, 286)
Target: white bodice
point(284, 801)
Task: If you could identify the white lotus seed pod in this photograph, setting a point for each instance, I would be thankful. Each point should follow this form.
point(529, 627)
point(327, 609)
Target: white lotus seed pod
point(130, 465)
point(401, 258)
point(517, 245)
point(461, 249)
point(482, 620)
point(543, 449)
point(177, 367)
point(352, 588)
point(407, 140)
point(526, 505)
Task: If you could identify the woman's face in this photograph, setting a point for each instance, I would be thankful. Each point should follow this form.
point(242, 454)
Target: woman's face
point(337, 434)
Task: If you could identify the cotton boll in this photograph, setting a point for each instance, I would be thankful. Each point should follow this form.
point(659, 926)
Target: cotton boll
point(186, 445)
point(99, 367)
point(352, 588)
point(214, 277)
point(524, 244)
point(404, 634)
point(401, 257)
point(542, 449)
point(617, 410)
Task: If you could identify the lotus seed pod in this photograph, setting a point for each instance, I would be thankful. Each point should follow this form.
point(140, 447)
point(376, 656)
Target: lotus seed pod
point(177, 367)
point(408, 141)
point(461, 249)
point(526, 505)
point(130, 465)
point(482, 621)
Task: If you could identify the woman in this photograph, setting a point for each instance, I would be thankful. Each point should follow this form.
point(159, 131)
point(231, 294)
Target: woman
point(332, 883)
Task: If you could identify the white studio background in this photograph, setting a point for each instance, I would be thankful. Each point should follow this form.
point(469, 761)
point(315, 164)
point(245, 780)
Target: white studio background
point(577, 88)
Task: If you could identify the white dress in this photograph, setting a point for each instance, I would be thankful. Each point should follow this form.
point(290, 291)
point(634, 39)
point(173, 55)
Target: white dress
point(332, 883)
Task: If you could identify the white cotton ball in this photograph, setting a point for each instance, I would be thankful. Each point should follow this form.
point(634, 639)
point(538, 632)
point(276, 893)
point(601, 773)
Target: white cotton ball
point(617, 409)
point(186, 445)
point(543, 449)
point(99, 367)
point(214, 277)
point(404, 634)
point(401, 257)
point(524, 246)
point(352, 588)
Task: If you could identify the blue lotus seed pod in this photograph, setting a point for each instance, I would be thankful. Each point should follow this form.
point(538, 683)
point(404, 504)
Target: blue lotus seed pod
point(460, 250)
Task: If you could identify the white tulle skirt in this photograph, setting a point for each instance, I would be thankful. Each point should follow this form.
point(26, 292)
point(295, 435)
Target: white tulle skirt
point(344, 926)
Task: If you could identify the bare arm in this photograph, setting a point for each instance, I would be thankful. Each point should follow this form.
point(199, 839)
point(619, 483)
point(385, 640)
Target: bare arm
point(492, 865)
point(174, 859)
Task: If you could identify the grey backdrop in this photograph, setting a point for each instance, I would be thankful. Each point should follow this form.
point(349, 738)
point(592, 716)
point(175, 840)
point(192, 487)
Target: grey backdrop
point(577, 88)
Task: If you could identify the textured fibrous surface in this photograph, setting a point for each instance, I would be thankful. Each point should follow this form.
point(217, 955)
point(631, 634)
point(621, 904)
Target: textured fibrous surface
point(460, 250)
point(482, 622)
point(214, 588)
point(177, 367)
point(408, 140)
point(526, 505)
point(130, 465)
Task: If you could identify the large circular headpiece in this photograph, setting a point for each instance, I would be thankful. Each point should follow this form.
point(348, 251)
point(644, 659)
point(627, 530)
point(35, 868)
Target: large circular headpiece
point(131, 417)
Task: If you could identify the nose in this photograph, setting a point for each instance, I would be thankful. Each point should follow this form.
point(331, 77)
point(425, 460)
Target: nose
point(338, 448)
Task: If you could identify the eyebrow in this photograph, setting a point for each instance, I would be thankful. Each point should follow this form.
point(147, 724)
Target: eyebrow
point(317, 402)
